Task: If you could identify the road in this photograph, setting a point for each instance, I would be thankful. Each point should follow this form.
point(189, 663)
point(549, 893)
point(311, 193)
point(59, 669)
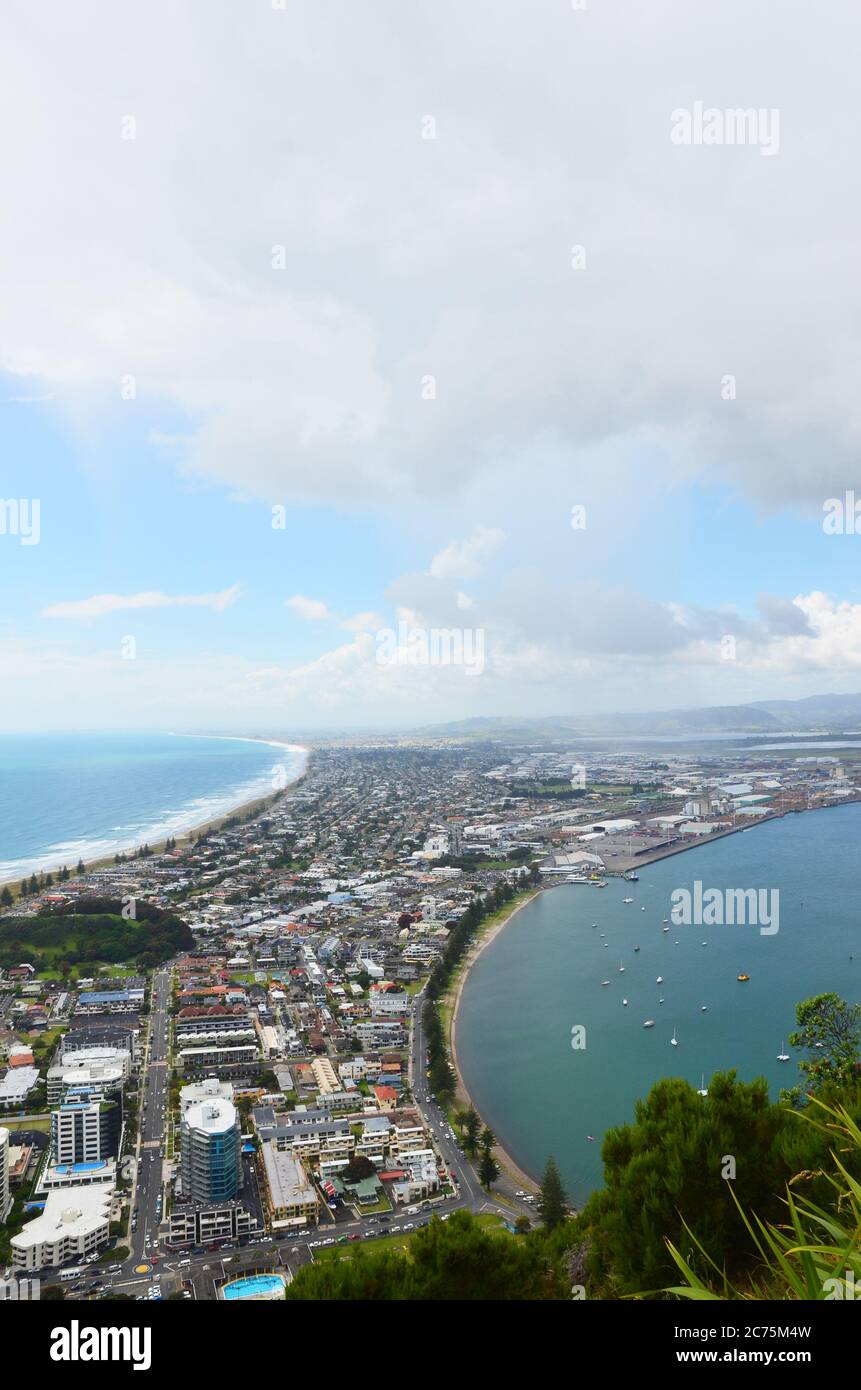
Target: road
point(155, 1086)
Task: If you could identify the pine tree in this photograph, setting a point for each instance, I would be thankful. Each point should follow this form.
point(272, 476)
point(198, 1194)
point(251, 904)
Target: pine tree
point(6, 897)
point(553, 1199)
point(488, 1169)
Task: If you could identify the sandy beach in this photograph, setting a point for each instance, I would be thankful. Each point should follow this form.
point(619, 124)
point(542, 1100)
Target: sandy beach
point(452, 1000)
point(184, 837)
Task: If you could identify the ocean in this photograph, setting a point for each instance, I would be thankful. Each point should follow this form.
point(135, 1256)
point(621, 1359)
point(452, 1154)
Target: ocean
point(543, 976)
point(65, 797)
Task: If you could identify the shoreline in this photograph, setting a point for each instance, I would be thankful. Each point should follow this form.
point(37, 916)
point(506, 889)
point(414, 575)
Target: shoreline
point(183, 838)
point(506, 1163)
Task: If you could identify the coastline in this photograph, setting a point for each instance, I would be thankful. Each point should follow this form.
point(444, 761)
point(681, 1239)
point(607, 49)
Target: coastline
point(183, 838)
point(452, 1001)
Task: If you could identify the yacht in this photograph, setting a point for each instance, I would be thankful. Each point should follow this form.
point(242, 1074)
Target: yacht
point(649, 1023)
point(627, 900)
point(782, 1056)
point(621, 967)
point(625, 1002)
point(674, 1042)
point(659, 980)
point(702, 1091)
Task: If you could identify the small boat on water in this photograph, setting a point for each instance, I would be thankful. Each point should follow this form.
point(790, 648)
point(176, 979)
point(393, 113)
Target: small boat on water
point(605, 982)
point(665, 929)
point(659, 980)
point(742, 977)
point(674, 1042)
point(621, 967)
point(627, 900)
point(782, 1056)
point(704, 1008)
point(649, 1023)
point(636, 948)
point(625, 1002)
point(660, 1001)
point(665, 919)
point(702, 1091)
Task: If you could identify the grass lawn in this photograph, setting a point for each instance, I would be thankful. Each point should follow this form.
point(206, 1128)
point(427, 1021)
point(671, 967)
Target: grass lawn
point(44, 1124)
point(401, 1242)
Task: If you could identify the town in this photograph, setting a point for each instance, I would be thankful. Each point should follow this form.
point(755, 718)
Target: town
point(243, 1075)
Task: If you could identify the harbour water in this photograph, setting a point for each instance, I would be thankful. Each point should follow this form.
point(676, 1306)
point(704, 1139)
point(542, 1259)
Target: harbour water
point(65, 797)
point(543, 976)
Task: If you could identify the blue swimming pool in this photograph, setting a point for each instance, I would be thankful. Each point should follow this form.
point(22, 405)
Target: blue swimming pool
point(255, 1286)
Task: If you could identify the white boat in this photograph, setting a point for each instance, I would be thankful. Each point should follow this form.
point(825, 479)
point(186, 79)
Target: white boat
point(660, 1001)
point(782, 1056)
point(627, 900)
point(621, 967)
point(702, 1091)
point(636, 948)
point(704, 1008)
point(665, 929)
point(660, 980)
point(605, 982)
point(649, 1023)
point(625, 1002)
point(674, 1042)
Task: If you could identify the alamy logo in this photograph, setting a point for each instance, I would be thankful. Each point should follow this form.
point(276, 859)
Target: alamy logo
point(76, 1343)
point(435, 646)
point(711, 125)
point(19, 1290)
point(845, 1288)
point(718, 907)
point(21, 518)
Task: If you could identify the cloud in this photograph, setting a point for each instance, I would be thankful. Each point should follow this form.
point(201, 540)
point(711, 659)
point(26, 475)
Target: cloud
point(101, 604)
point(463, 559)
point(451, 257)
point(311, 609)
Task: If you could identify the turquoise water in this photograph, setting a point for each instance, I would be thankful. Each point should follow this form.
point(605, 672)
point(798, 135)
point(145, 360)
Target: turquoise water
point(255, 1286)
point(543, 975)
point(70, 796)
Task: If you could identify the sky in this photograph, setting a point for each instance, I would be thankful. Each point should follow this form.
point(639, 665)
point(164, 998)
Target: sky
point(325, 328)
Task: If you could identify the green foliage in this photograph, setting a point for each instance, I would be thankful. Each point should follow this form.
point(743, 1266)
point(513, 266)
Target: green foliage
point(669, 1166)
point(829, 1029)
point(815, 1254)
point(95, 932)
point(553, 1199)
point(453, 1260)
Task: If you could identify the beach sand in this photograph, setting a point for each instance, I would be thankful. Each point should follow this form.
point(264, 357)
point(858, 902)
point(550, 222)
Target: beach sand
point(183, 838)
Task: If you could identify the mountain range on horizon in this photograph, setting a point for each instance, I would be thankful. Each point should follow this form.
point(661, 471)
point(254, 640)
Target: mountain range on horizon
point(831, 712)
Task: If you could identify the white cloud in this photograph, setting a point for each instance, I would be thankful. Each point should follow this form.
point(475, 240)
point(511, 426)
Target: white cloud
point(449, 257)
point(101, 604)
point(311, 609)
point(463, 559)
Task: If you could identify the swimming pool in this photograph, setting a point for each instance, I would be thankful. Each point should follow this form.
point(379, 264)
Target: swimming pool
point(255, 1286)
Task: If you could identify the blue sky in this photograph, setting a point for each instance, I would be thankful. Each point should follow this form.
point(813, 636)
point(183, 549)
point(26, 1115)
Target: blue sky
point(350, 291)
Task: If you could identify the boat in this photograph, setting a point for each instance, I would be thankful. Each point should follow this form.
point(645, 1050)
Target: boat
point(782, 1056)
point(702, 1091)
point(704, 1008)
point(649, 1023)
point(625, 1002)
point(665, 929)
point(636, 948)
point(621, 967)
point(674, 1042)
point(630, 877)
point(627, 900)
point(642, 909)
point(742, 977)
point(605, 982)
point(665, 919)
point(659, 980)
point(660, 1001)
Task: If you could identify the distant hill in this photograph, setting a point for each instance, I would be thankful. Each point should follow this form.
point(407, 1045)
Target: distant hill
point(833, 712)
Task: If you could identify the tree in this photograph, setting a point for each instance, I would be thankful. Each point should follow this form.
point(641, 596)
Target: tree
point(471, 1125)
point(686, 1158)
point(830, 1030)
point(456, 1261)
point(553, 1199)
point(488, 1169)
point(6, 898)
point(82, 868)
